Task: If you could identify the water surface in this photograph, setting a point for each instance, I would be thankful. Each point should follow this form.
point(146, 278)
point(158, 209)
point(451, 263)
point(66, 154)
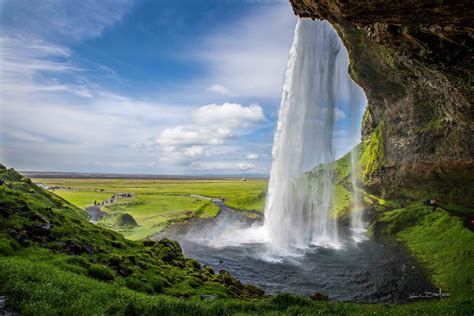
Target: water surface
point(361, 272)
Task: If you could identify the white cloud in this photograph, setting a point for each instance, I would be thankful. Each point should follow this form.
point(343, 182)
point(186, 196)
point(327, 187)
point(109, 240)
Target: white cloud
point(252, 156)
point(219, 89)
point(230, 115)
point(210, 127)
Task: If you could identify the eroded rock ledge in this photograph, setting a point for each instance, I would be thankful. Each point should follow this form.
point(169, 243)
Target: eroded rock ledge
point(414, 60)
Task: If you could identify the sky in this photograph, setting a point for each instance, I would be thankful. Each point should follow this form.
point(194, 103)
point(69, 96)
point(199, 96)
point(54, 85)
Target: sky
point(142, 86)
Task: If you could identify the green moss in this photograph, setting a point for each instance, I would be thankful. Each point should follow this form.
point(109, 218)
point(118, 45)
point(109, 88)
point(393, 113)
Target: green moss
point(372, 157)
point(437, 239)
point(366, 119)
point(118, 221)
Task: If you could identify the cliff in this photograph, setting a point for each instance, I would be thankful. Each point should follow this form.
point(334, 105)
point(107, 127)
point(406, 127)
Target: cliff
point(414, 60)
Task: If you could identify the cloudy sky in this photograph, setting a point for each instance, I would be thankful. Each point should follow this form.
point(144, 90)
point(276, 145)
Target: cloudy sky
point(169, 87)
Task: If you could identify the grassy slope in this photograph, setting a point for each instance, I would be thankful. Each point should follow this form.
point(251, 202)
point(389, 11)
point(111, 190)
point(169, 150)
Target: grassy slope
point(438, 240)
point(42, 227)
point(156, 203)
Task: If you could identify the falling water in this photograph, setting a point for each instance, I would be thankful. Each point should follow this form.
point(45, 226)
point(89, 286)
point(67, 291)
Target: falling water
point(299, 202)
point(358, 226)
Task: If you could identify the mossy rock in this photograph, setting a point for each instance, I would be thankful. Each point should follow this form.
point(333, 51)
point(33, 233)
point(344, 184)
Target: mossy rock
point(118, 220)
point(316, 296)
point(138, 285)
point(101, 272)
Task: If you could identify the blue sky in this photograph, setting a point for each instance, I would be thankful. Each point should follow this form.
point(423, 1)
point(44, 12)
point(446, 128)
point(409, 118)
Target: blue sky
point(170, 87)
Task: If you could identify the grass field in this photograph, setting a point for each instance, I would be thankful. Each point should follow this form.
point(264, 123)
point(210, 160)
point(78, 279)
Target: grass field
point(156, 203)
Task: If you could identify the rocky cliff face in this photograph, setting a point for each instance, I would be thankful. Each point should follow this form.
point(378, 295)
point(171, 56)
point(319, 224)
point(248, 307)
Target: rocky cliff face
point(414, 60)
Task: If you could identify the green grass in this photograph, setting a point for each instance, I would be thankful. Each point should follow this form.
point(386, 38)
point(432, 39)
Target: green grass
point(157, 203)
point(36, 288)
point(84, 198)
point(372, 153)
point(440, 241)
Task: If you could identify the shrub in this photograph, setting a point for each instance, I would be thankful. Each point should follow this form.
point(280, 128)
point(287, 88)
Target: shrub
point(101, 272)
point(138, 285)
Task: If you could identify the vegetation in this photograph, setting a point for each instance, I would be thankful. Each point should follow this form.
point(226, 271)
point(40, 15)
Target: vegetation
point(372, 157)
point(440, 241)
point(40, 227)
point(38, 288)
point(118, 221)
point(53, 261)
point(157, 203)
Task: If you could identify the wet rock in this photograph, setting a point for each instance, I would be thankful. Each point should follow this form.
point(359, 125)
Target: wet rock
point(169, 251)
point(316, 296)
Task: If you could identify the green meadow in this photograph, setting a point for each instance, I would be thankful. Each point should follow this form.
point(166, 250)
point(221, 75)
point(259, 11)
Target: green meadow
point(158, 203)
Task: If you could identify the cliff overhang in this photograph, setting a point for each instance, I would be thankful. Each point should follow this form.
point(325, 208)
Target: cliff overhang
point(415, 61)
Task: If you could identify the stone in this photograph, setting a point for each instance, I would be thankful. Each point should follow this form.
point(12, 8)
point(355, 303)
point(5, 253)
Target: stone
point(316, 296)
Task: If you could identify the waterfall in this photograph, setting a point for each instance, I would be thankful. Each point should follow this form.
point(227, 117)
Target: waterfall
point(358, 226)
point(299, 202)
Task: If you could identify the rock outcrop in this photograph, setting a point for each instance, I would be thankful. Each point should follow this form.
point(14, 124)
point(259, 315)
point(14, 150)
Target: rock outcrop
point(414, 59)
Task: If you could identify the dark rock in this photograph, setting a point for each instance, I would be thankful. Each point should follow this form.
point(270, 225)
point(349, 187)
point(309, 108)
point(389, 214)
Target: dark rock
point(206, 297)
point(148, 243)
point(169, 251)
point(19, 236)
point(74, 248)
point(4, 211)
point(316, 296)
point(254, 291)
point(192, 263)
point(39, 231)
point(208, 269)
point(124, 271)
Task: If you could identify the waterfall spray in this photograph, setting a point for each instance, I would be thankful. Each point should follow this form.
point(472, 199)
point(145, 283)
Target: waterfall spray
point(299, 202)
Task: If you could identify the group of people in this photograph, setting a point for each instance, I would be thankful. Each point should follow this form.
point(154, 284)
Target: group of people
point(113, 198)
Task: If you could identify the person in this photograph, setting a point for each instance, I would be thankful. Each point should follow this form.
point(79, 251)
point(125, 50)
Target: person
point(433, 203)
